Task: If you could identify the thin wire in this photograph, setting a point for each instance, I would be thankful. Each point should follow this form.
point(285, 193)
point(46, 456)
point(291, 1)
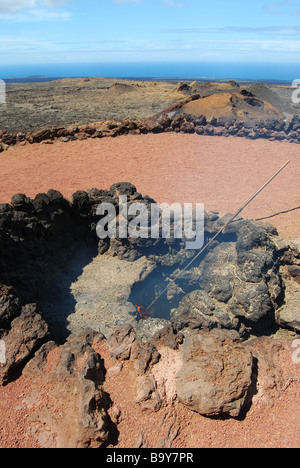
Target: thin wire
point(216, 235)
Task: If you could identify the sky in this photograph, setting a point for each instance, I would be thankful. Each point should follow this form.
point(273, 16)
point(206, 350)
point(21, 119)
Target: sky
point(68, 31)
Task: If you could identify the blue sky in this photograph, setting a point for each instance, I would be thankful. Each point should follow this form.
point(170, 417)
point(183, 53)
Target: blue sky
point(68, 31)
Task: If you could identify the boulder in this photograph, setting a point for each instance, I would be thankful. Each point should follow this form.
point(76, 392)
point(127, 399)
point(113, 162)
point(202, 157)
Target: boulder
point(123, 188)
point(269, 378)
point(187, 127)
point(71, 377)
point(10, 308)
point(288, 314)
point(27, 333)
point(181, 87)
point(41, 135)
point(167, 336)
point(165, 121)
point(20, 202)
point(153, 127)
point(290, 251)
point(216, 376)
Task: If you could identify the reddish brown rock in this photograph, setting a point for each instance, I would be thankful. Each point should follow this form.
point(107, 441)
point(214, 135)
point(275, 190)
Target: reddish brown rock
point(216, 376)
point(41, 135)
point(120, 342)
point(9, 139)
point(70, 377)
point(27, 333)
point(144, 355)
point(187, 127)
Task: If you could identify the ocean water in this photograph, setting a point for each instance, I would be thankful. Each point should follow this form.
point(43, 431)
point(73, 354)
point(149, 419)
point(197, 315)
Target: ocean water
point(158, 70)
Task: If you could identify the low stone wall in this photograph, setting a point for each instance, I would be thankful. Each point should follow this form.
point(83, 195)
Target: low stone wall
point(279, 130)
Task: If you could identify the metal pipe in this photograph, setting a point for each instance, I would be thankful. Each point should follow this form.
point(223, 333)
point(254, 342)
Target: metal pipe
point(216, 235)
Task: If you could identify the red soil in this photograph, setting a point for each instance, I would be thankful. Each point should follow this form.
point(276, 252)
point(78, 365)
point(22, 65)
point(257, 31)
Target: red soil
point(270, 422)
point(220, 172)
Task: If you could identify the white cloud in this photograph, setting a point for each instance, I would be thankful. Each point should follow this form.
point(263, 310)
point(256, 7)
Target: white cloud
point(35, 16)
point(9, 6)
point(21, 49)
point(279, 8)
point(279, 31)
point(19, 11)
point(55, 2)
point(170, 3)
point(15, 6)
point(275, 7)
point(173, 4)
point(126, 1)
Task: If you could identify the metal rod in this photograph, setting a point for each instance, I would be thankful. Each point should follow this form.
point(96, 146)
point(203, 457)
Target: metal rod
point(216, 235)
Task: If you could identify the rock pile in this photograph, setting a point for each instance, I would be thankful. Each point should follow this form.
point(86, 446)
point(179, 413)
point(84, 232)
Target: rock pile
point(239, 284)
point(238, 288)
point(212, 373)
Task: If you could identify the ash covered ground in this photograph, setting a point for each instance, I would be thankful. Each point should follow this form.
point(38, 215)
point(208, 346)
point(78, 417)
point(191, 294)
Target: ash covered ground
point(32, 106)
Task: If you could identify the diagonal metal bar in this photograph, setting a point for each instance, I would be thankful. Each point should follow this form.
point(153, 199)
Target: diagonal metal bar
point(216, 235)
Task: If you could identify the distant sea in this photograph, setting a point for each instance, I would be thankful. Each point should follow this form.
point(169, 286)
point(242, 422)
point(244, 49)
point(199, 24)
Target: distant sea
point(270, 73)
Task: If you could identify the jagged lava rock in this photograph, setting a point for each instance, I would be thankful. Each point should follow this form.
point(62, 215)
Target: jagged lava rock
point(27, 333)
point(237, 284)
point(71, 375)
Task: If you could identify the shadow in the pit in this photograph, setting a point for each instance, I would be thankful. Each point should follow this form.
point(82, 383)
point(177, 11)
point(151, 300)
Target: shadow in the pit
point(144, 293)
point(151, 298)
point(55, 300)
point(157, 294)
